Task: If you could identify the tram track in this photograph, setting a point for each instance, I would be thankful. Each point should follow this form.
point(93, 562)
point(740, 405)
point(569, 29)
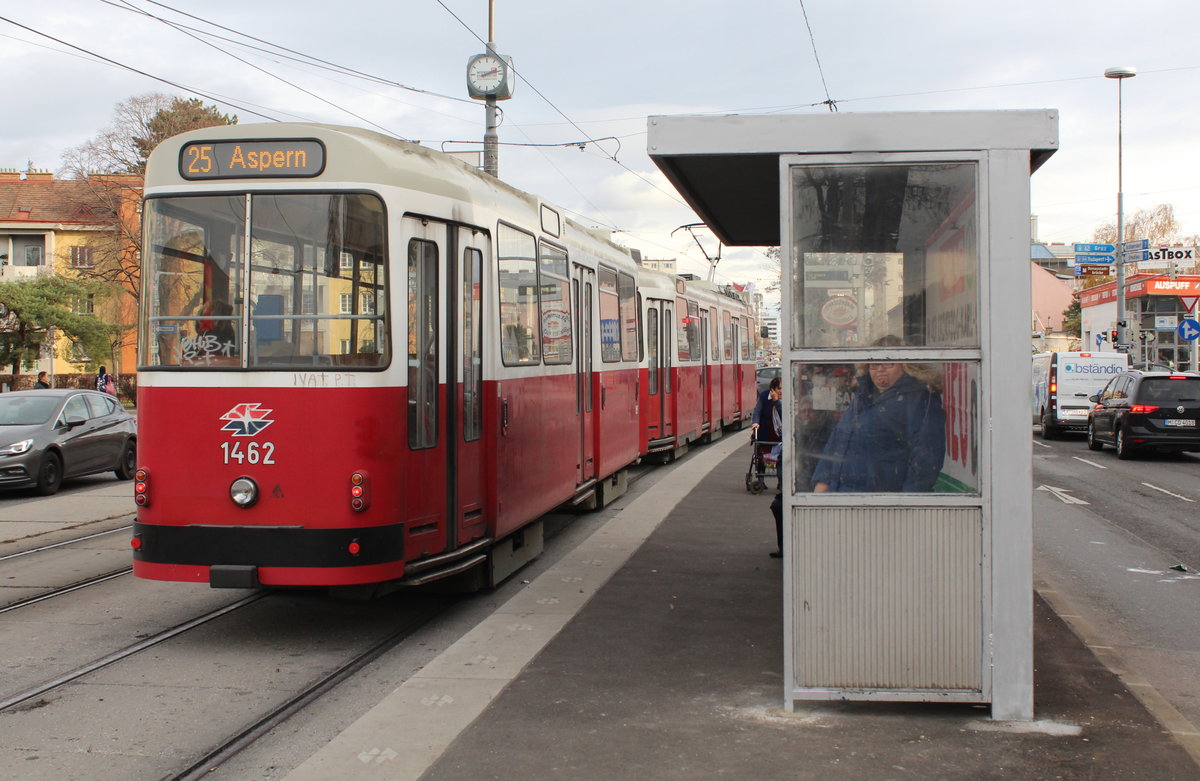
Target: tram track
point(21, 559)
point(25, 696)
point(238, 742)
point(67, 589)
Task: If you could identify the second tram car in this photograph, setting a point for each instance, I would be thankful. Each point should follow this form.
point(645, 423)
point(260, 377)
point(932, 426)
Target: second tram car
point(362, 361)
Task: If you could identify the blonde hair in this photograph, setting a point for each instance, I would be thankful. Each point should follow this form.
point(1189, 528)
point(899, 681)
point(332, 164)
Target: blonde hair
point(929, 375)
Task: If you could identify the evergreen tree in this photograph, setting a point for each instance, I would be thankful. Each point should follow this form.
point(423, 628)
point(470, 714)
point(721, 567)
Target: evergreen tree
point(31, 311)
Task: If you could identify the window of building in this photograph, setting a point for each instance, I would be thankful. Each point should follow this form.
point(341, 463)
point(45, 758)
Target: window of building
point(82, 257)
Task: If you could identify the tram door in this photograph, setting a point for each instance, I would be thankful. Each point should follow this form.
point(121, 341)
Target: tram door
point(706, 384)
point(659, 347)
point(443, 345)
point(466, 456)
point(584, 286)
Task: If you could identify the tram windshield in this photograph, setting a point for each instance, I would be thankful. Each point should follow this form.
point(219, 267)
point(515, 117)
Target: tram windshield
point(314, 292)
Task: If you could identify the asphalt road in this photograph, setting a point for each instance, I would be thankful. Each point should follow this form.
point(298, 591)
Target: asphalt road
point(1119, 543)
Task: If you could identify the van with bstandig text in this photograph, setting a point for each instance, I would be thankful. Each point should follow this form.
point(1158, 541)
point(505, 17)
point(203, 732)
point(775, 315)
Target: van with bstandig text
point(1062, 383)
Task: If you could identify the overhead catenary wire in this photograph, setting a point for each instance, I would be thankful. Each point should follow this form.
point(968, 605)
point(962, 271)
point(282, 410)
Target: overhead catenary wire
point(557, 110)
point(132, 69)
point(306, 91)
point(829, 101)
point(291, 54)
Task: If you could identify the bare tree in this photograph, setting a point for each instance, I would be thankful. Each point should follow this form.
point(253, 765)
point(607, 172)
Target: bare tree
point(112, 166)
point(1158, 224)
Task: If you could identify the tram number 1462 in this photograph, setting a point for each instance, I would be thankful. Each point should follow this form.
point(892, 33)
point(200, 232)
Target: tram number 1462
point(252, 453)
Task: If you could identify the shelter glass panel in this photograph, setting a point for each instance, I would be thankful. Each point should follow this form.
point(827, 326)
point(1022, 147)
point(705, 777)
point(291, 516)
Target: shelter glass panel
point(885, 255)
point(887, 427)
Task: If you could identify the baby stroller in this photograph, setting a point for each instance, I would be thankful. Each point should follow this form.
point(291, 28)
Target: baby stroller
point(762, 465)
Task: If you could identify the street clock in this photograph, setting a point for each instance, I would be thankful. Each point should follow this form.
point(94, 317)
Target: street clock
point(489, 76)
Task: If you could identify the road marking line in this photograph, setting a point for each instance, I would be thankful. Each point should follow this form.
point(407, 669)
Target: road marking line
point(1062, 494)
point(1169, 493)
point(1090, 463)
point(1041, 444)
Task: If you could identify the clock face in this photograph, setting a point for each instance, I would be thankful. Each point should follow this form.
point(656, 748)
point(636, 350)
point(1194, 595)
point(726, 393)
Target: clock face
point(486, 73)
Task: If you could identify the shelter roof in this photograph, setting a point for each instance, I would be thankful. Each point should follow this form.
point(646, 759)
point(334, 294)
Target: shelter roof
point(727, 167)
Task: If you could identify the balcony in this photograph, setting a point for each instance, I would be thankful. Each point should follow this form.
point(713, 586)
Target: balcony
point(10, 273)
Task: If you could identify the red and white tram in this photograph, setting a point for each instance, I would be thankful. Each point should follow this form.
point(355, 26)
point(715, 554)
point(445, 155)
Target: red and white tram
point(362, 361)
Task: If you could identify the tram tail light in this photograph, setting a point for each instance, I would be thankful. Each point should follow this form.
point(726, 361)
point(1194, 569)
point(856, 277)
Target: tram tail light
point(141, 488)
point(360, 491)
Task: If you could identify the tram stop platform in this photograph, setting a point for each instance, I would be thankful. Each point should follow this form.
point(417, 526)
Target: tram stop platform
point(654, 650)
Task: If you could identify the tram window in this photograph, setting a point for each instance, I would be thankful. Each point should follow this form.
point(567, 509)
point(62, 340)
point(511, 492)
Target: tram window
point(682, 341)
point(472, 356)
point(714, 336)
point(516, 264)
point(554, 294)
point(743, 326)
point(727, 335)
point(626, 293)
point(194, 267)
point(422, 344)
point(610, 316)
point(652, 351)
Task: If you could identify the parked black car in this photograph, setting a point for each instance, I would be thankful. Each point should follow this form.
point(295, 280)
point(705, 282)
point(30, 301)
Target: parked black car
point(1146, 410)
point(46, 435)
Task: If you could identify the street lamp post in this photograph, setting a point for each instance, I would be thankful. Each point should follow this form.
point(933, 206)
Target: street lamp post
point(1120, 74)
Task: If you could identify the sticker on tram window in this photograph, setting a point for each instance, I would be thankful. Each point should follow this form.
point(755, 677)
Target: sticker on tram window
point(289, 157)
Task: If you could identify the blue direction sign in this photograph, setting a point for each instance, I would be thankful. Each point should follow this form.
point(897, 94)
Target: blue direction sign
point(1095, 248)
point(1127, 246)
point(1095, 259)
point(1188, 329)
point(1134, 255)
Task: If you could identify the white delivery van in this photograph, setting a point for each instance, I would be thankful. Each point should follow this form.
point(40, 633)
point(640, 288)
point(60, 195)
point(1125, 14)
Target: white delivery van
point(1062, 383)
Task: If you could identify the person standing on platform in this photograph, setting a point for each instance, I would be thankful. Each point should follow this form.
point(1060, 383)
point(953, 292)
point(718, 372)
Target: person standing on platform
point(892, 437)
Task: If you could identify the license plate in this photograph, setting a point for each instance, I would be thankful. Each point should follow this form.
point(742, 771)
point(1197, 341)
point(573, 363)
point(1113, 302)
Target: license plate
point(1075, 413)
point(1181, 422)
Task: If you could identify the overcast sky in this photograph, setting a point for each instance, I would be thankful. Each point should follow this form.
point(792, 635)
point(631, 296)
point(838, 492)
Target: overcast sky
point(598, 69)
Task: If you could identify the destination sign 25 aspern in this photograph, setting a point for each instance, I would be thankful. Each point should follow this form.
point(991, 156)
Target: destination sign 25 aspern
point(251, 159)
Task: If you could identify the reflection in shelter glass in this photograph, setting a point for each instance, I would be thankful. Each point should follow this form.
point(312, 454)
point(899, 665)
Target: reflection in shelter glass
point(885, 249)
point(886, 427)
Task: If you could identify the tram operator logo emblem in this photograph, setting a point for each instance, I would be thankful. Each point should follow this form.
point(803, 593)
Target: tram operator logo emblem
point(246, 420)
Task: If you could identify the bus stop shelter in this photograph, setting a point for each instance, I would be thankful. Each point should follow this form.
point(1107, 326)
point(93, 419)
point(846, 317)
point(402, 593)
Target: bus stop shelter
point(904, 242)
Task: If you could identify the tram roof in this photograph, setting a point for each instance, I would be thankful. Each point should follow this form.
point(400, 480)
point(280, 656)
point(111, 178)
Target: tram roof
point(727, 167)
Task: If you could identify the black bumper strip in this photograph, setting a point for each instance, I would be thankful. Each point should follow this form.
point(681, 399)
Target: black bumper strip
point(268, 546)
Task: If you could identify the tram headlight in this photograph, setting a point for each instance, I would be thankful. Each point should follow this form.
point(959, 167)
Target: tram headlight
point(243, 492)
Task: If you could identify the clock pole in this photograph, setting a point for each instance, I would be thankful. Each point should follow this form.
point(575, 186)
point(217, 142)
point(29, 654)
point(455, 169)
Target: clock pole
point(491, 140)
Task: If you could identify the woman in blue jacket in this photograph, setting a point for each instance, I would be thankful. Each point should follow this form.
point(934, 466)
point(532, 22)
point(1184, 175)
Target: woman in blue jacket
point(892, 437)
